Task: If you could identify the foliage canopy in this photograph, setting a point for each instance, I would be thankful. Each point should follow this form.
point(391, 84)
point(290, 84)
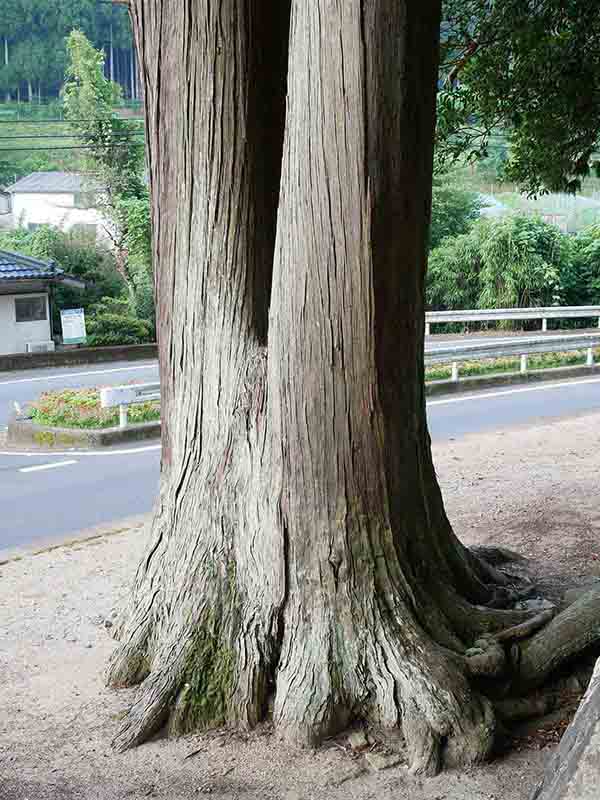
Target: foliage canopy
point(532, 69)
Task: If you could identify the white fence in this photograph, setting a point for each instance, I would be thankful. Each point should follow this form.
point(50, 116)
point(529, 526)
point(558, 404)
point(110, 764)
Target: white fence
point(521, 347)
point(125, 396)
point(507, 314)
point(452, 353)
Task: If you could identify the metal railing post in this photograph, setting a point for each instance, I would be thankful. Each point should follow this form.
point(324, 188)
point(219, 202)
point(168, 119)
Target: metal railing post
point(590, 357)
point(122, 416)
point(455, 371)
point(428, 328)
point(544, 325)
point(523, 363)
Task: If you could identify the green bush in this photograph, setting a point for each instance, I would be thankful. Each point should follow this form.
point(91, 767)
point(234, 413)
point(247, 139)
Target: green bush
point(582, 280)
point(109, 328)
point(454, 209)
point(517, 261)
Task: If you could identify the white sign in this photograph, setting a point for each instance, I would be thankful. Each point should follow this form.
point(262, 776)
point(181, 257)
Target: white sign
point(73, 326)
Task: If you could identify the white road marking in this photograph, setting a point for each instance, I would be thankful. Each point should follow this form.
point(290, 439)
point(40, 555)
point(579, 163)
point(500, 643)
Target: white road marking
point(54, 465)
point(70, 375)
point(486, 395)
point(447, 401)
point(78, 453)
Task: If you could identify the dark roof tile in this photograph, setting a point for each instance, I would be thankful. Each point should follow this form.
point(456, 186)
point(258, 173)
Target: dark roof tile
point(14, 266)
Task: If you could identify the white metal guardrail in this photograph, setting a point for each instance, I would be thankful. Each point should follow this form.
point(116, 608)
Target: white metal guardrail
point(507, 314)
point(521, 347)
point(125, 396)
point(452, 353)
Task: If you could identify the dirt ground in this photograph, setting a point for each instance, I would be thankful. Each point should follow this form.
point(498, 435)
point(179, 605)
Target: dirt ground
point(533, 490)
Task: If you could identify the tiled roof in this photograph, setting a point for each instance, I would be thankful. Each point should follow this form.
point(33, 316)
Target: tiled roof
point(53, 183)
point(14, 267)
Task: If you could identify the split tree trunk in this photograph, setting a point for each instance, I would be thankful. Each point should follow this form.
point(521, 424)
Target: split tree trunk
point(300, 547)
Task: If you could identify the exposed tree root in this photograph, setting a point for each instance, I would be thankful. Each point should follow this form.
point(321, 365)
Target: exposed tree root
point(565, 637)
point(212, 672)
point(193, 678)
point(540, 702)
point(526, 628)
point(497, 556)
point(152, 706)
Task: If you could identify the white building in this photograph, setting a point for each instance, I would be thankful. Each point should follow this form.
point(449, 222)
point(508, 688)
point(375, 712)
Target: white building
point(63, 200)
point(25, 302)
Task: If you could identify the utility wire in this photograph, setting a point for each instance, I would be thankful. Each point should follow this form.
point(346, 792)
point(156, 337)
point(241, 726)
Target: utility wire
point(68, 121)
point(66, 147)
point(66, 136)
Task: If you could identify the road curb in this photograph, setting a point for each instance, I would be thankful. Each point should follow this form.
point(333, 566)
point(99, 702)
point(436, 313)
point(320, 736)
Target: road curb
point(79, 539)
point(43, 437)
point(474, 383)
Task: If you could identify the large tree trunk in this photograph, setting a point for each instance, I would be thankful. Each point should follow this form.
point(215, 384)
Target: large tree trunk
point(205, 615)
point(300, 547)
point(362, 510)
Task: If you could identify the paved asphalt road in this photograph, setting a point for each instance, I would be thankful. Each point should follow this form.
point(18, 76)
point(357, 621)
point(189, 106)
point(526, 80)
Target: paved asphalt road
point(49, 496)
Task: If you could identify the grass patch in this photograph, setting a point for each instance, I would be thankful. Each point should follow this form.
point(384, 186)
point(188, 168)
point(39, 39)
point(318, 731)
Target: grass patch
point(80, 408)
point(493, 366)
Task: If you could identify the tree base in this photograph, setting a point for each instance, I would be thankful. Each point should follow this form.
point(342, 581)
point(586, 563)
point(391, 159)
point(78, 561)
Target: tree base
point(320, 679)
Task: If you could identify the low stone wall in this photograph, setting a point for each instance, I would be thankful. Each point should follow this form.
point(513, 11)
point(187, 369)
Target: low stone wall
point(26, 433)
point(75, 356)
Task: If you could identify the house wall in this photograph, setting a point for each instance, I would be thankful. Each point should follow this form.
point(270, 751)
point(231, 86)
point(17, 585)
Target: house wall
point(14, 335)
point(57, 210)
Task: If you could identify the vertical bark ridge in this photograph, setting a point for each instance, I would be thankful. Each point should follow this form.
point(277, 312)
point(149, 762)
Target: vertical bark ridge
point(345, 377)
point(204, 626)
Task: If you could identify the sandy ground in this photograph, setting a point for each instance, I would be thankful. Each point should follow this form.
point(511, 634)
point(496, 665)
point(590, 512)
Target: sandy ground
point(534, 490)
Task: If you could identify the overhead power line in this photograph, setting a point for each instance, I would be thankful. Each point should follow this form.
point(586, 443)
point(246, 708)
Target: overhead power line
point(68, 121)
point(36, 136)
point(66, 147)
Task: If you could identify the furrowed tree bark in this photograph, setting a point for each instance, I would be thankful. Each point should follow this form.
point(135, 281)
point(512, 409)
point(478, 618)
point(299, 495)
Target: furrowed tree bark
point(300, 547)
point(362, 511)
point(204, 617)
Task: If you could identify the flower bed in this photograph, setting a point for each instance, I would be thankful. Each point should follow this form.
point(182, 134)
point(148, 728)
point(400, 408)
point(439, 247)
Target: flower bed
point(80, 408)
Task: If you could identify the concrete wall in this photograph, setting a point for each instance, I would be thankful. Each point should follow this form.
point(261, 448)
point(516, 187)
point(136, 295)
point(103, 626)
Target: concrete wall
point(14, 335)
point(57, 210)
point(74, 356)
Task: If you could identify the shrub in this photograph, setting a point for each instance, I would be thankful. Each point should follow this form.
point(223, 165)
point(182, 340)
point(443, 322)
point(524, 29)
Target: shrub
point(454, 209)
point(513, 262)
point(109, 328)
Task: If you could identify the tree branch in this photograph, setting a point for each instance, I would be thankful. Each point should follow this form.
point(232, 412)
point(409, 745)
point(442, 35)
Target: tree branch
point(471, 48)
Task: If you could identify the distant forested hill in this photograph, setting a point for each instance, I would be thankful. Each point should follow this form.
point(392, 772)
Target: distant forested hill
point(32, 45)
